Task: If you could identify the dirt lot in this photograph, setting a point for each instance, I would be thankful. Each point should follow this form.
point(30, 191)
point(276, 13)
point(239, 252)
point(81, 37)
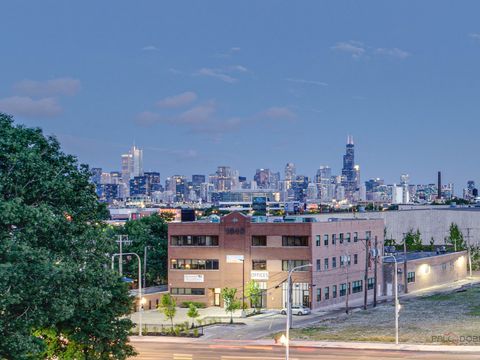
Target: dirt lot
point(452, 318)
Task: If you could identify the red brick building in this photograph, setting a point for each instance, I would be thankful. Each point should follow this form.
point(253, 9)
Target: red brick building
point(205, 257)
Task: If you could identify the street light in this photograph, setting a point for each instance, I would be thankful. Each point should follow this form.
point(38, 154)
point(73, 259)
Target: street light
point(140, 299)
point(289, 308)
point(397, 303)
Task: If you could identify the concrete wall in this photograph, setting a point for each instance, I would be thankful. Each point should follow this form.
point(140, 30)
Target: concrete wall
point(431, 222)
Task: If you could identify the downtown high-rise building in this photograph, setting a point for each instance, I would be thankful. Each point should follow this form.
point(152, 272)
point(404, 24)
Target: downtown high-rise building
point(349, 173)
point(132, 166)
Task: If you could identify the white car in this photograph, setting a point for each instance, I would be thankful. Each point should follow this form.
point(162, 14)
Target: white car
point(297, 310)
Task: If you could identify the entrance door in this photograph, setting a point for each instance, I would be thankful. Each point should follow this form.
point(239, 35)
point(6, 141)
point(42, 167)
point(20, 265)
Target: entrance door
point(306, 298)
point(216, 300)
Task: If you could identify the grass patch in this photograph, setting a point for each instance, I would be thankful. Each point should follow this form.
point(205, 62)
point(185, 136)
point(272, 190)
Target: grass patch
point(474, 311)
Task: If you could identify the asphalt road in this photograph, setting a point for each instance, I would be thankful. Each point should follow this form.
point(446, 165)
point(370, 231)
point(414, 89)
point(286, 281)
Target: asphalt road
point(202, 351)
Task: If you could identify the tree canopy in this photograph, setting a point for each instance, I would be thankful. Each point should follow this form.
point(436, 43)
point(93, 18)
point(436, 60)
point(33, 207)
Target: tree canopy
point(58, 296)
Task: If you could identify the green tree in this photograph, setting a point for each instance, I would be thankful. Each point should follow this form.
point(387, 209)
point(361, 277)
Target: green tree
point(150, 232)
point(193, 313)
point(413, 239)
point(58, 296)
point(254, 293)
point(230, 301)
point(168, 307)
point(455, 238)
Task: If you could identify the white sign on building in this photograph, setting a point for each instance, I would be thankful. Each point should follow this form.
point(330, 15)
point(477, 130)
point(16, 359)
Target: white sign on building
point(260, 275)
point(235, 259)
point(193, 278)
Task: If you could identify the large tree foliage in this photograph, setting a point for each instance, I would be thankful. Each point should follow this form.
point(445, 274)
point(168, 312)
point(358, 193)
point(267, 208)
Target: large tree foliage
point(150, 232)
point(455, 237)
point(58, 297)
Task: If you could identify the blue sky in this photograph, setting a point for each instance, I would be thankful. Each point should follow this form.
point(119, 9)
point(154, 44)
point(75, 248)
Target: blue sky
point(250, 84)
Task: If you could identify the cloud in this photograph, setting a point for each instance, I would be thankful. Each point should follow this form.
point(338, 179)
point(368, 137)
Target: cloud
point(177, 100)
point(276, 112)
point(307, 82)
point(354, 48)
point(150, 48)
point(393, 52)
point(218, 74)
point(28, 107)
point(475, 36)
point(148, 118)
point(53, 87)
point(198, 114)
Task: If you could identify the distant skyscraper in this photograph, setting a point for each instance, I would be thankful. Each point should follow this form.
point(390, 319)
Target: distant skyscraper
point(290, 174)
point(348, 171)
point(96, 175)
point(132, 165)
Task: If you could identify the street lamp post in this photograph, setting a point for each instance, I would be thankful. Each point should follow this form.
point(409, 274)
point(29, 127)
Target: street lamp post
point(243, 287)
point(289, 308)
point(139, 286)
point(397, 303)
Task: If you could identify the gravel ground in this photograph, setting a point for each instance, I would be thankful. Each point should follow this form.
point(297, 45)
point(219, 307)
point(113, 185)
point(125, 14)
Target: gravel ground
point(452, 318)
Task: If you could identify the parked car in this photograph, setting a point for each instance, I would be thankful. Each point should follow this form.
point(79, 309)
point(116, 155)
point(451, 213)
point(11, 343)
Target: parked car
point(297, 310)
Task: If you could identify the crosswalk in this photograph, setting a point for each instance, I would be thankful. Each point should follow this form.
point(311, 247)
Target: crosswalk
point(182, 356)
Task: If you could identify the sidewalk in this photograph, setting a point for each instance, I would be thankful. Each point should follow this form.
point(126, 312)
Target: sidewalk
point(320, 344)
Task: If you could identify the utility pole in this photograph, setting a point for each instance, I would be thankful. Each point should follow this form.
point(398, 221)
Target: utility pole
point(375, 273)
point(290, 301)
point(365, 277)
point(121, 239)
point(405, 275)
point(469, 253)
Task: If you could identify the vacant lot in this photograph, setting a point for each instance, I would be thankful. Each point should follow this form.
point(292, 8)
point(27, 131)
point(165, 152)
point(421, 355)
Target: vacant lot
point(452, 318)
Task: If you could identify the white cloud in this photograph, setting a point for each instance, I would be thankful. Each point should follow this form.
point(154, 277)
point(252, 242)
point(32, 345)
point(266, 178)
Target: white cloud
point(276, 112)
point(150, 48)
point(198, 114)
point(53, 87)
point(308, 82)
point(218, 74)
point(475, 36)
point(28, 107)
point(354, 48)
point(393, 52)
point(148, 118)
point(177, 100)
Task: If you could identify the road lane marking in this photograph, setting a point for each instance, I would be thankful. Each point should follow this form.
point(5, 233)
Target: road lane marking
point(182, 356)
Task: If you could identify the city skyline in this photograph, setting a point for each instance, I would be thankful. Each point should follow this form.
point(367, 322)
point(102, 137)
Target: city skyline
point(197, 97)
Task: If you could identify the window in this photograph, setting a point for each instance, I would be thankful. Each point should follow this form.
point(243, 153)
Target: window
point(334, 262)
point(187, 291)
point(368, 235)
point(326, 294)
point(343, 289)
point(349, 260)
point(325, 264)
point(334, 239)
point(259, 264)
point(334, 291)
point(355, 259)
point(259, 240)
point(355, 236)
point(319, 295)
point(288, 265)
point(348, 237)
point(371, 283)
point(325, 239)
point(342, 260)
point(411, 277)
point(194, 264)
point(318, 239)
point(319, 265)
point(341, 238)
point(194, 240)
point(357, 286)
point(294, 240)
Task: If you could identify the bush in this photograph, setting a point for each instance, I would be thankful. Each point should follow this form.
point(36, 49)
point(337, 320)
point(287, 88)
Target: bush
point(198, 305)
point(195, 332)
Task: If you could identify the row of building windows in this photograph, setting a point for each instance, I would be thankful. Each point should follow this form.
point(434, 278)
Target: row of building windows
point(261, 240)
point(344, 260)
point(354, 287)
point(194, 264)
point(341, 238)
point(194, 240)
point(187, 291)
point(411, 277)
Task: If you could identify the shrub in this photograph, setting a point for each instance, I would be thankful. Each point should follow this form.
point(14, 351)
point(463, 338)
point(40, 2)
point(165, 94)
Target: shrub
point(198, 305)
point(195, 332)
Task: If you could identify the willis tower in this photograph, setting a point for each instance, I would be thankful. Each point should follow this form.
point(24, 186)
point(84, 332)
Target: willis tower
point(349, 174)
